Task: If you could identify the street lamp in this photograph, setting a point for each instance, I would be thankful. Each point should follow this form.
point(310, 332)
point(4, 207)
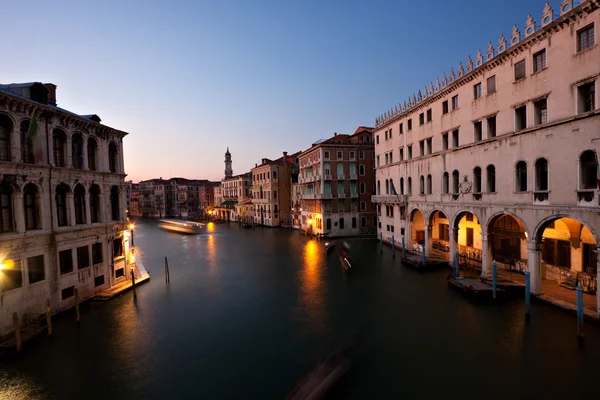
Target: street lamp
point(131, 226)
point(6, 264)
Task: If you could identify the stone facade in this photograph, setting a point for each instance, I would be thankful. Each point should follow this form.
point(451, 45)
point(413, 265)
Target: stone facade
point(499, 160)
point(63, 220)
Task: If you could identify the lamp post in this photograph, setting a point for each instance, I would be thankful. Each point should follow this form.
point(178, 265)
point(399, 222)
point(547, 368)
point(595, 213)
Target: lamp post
point(131, 226)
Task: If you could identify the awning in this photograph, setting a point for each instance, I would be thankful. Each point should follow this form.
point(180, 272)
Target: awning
point(228, 203)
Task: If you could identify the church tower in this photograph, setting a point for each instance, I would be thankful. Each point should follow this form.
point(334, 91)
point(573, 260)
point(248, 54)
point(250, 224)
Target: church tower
point(228, 168)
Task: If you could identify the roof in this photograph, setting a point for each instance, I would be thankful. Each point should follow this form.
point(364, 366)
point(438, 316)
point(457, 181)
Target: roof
point(288, 159)
point(362, 129)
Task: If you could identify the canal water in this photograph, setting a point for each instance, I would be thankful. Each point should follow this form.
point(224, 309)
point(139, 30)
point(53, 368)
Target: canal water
point(249, 312)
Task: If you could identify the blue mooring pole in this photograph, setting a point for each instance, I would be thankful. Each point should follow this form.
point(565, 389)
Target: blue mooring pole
point(494, 278)
point(456, 264)
point(579, 311)
point(423, 256)
point(527, 293)
point(402, 246)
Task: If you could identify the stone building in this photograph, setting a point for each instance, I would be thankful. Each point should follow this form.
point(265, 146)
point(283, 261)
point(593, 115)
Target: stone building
point(62, 201)
point(232, 190)
point(271, 190)
point(336, 176)
point(499, 160)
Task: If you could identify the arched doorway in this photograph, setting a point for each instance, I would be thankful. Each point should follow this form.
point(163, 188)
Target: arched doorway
point(467, 239)
point(439, 230)
point(417, 231)
point(506, 243)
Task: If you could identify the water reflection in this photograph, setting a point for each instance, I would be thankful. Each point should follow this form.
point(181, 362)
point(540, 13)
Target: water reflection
point(210, 227)
point(312, 290)
point(211, 251)
point(20, 387)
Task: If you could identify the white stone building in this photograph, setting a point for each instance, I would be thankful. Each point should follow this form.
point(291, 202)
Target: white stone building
point(62, 201)
point(499, 160)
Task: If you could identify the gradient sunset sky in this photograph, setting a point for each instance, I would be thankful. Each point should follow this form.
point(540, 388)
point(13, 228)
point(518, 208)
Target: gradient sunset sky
point(186, 79)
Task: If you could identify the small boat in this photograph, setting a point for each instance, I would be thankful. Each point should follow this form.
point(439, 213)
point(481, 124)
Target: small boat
point(329, 246)
point(178, 226)
point(346, 263)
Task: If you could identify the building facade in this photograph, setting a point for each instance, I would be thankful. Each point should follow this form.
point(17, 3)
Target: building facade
point(499, 160)
point(336, 177)
point(63, 223)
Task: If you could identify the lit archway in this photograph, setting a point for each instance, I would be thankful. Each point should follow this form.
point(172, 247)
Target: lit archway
point(507, 239)
point(439, 226)
point(417, 230)
point(467, 232)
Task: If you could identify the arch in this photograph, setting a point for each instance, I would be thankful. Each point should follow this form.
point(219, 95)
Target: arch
point(541, 175)
point(497, 215)
point(401, 185)
point(455, 182)
point(521, 176)
point(491, 178)
point(6, 128)
point(387, 186)
point(429, 184)
point(476, 180)
point(7, 223)
point(458, 216)
point(26, 143)
point(31, 206)
point(341, 222)
point(507, 235)
point(361, 169)
point(59, 147)
point(421, 184)
point(79, 203)
point(353, 222)
point(62, 214)
point(446, 183)
point(92, 154)
point(77, 150)
point(378, 187)
point(340, 170)
point(409, 185)
point(588, 170)
point(95, 207)
point(115, 210)
point(326, 169)
point(543, 224)
point(352, 170)
point(436, 213)
point(113, 153)
point(416, 228)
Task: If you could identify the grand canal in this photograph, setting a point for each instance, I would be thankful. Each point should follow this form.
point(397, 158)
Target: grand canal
point(249, 312)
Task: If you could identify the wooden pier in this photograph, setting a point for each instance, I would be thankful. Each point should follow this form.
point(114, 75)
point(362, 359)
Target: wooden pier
point(474, 287)
point(416, 261)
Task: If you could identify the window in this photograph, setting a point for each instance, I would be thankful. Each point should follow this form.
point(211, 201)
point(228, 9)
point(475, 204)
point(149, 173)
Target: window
point(491, 84)
point(6, 128)
point(65, 259)
point(387, 159)
point(361, 170)
point(540, 108)
point(340, 171)
point(477, 131)
point(67, 293)
point(62, 216)
point(422, 185)
point(378, 187)
point(353, 222)
point(36, 269)
point(26, 144)
point(274, 194)
point(112, 157)
point(59, 143)
point(520, 70)
point(328, 224)
point(445, 141)
point(521, 118)
point(401, 185)
point(378, 161)
point(585, 38)
point(387, 186)
point(557, 252)
point(409, 185)
point(454, 102)
point(340, 155)
point(77, 150)
point(422, 148)
point(539, 61)
point(361, 154)
point(401, 154)
point(114, 203)
point(363, 188)
point(30, 203)
point(341, 223)
point(455, 142)
point(445, 107)
point(477, 180)
point(99, 280)
point(429, 116)
point(92, 150)
point(120, 273)
point(491, 127)
point(469, 237)
point(83, 257)
point(588, 170)
point(521, 176)
point(410, 151)
point(476, 91)
point(377, 138)
point(455, 182)
point(117, 248)
point(491, 179)
point(391, 161)
point(341, 189)
point(409, 124)
point(386, 135)
point(445, 183)
point(586, 97)
point(363, 222)
point(429, 145)
point(401, 127)
point(352, 155)
point(326, 153)
point(79, 200)
point(275, 172)
point(95, 203)
point(421, 119)
point(469, 217)
point(97, 256)
point(541, 175)
point(429, 184)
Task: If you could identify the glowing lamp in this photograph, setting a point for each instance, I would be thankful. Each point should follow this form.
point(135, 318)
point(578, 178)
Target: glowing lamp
point(7, 264)
point(131, 226)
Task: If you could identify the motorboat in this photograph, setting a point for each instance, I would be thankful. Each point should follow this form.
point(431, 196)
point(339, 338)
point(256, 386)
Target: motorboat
point(329, 246)
point(179, 226)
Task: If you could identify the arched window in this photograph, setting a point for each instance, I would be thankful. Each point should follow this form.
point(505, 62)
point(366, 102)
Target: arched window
point(409, 186)
point(79, 200)
point(340, 170)
point(341, 223)
point(588, 170)
point(92, 151)
point(95, 203)
point(422, 185)
point(326, 169)
point(328, 224)
point(352, 170)
point(477, 180)
point(361, 170)
point(26, 144)
point(521, 176)
point(77, 150)
point(429, 184)
point(363, 188)
point(387, 186)
point(491, 178)
point(31, 207)
point(378, 187)
point(62, 216)
point(445, 183)
point(541, 175)
point(353, 222)
point(59, 145)
point(112, 157)
point(455, 182)
point(6, 208)
point(401, 185)
point(114, 203)
point(6, 128)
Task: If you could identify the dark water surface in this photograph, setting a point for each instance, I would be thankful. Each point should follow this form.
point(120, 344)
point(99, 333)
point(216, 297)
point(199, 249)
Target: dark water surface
point(249, 312)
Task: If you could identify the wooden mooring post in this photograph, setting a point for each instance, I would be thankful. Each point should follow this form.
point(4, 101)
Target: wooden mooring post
point(17, 328)
point(167, 274)
point(133, 284)
point(527, 293)
point(77, 315)
point(48, 317)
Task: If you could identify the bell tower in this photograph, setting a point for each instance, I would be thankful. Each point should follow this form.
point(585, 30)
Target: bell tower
point(228, 168)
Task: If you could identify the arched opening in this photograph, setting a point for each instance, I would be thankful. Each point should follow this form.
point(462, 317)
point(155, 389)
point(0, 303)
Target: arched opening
point(62, 208)
point(31, 206)
point(59, 147)
point(363, 188)
point(476, 180)
point(417, 230)
point(361, 169)
point(446, 183)
point(6, 128)
point(7, 223)
point(326, 169)
point(328, 224)
point(77, 150)
point(352, 170)
point(467, 231)
point(422, 185)
point(114, 203)
point(112, 157)
point(92, 152)
point(429, 184)
point(588, 170)
point(26, 143)
point(440, 235)
point(342, 223)
point(507, 241)
point(455, 182)
point(387, 186)
point(401, 185)
point(353, 222)
point(79, 202)
point(491, 178)
point(95, 203)
point(521, 176)
point(409, 185)
point(378, 187)
point(541, 175)
point(340, 171)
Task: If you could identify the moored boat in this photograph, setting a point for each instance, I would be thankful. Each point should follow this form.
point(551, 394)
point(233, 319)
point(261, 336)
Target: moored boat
point(178, 226)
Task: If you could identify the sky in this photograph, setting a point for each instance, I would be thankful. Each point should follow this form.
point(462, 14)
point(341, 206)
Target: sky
point(187, 79)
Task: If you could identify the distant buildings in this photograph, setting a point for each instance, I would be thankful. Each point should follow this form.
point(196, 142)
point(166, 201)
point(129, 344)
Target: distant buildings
point(175, 197)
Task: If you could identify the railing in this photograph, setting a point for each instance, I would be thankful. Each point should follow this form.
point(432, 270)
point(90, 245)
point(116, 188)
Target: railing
point(389, 198)
point(354, 195)
point(327, 177)
point(324, 196)
point(341, 195)
point(340, 177)
point(541, 197)
point(588, 198)
point(353, 177)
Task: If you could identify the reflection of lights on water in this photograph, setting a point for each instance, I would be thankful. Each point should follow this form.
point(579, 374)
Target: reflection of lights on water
point(210, 227)
point(311, 258)
point(211, 250)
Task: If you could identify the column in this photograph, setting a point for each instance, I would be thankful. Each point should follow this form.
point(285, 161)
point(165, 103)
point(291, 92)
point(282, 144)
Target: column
point(486, 257)
point(69, 152)
point(85, 156)
point(428, 243)
point(71, 208)
point(18, 206)
point(453, 233)
point(88, 213)
point(534, 265)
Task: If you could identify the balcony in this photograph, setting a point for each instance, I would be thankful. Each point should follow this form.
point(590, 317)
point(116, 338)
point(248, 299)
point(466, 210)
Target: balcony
point(327, 177)
point(588, 198)
point(541, 197)
point(324, 196)
point(354, 195)
point(340, 177)
point(341, 195)
point(353, 177)
point(389, 198)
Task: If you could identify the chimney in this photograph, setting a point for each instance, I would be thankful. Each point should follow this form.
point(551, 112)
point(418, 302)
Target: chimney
point(334, 133)
point(255, 165)
point(284, 155)
point(264, 160)
point(51, 93)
